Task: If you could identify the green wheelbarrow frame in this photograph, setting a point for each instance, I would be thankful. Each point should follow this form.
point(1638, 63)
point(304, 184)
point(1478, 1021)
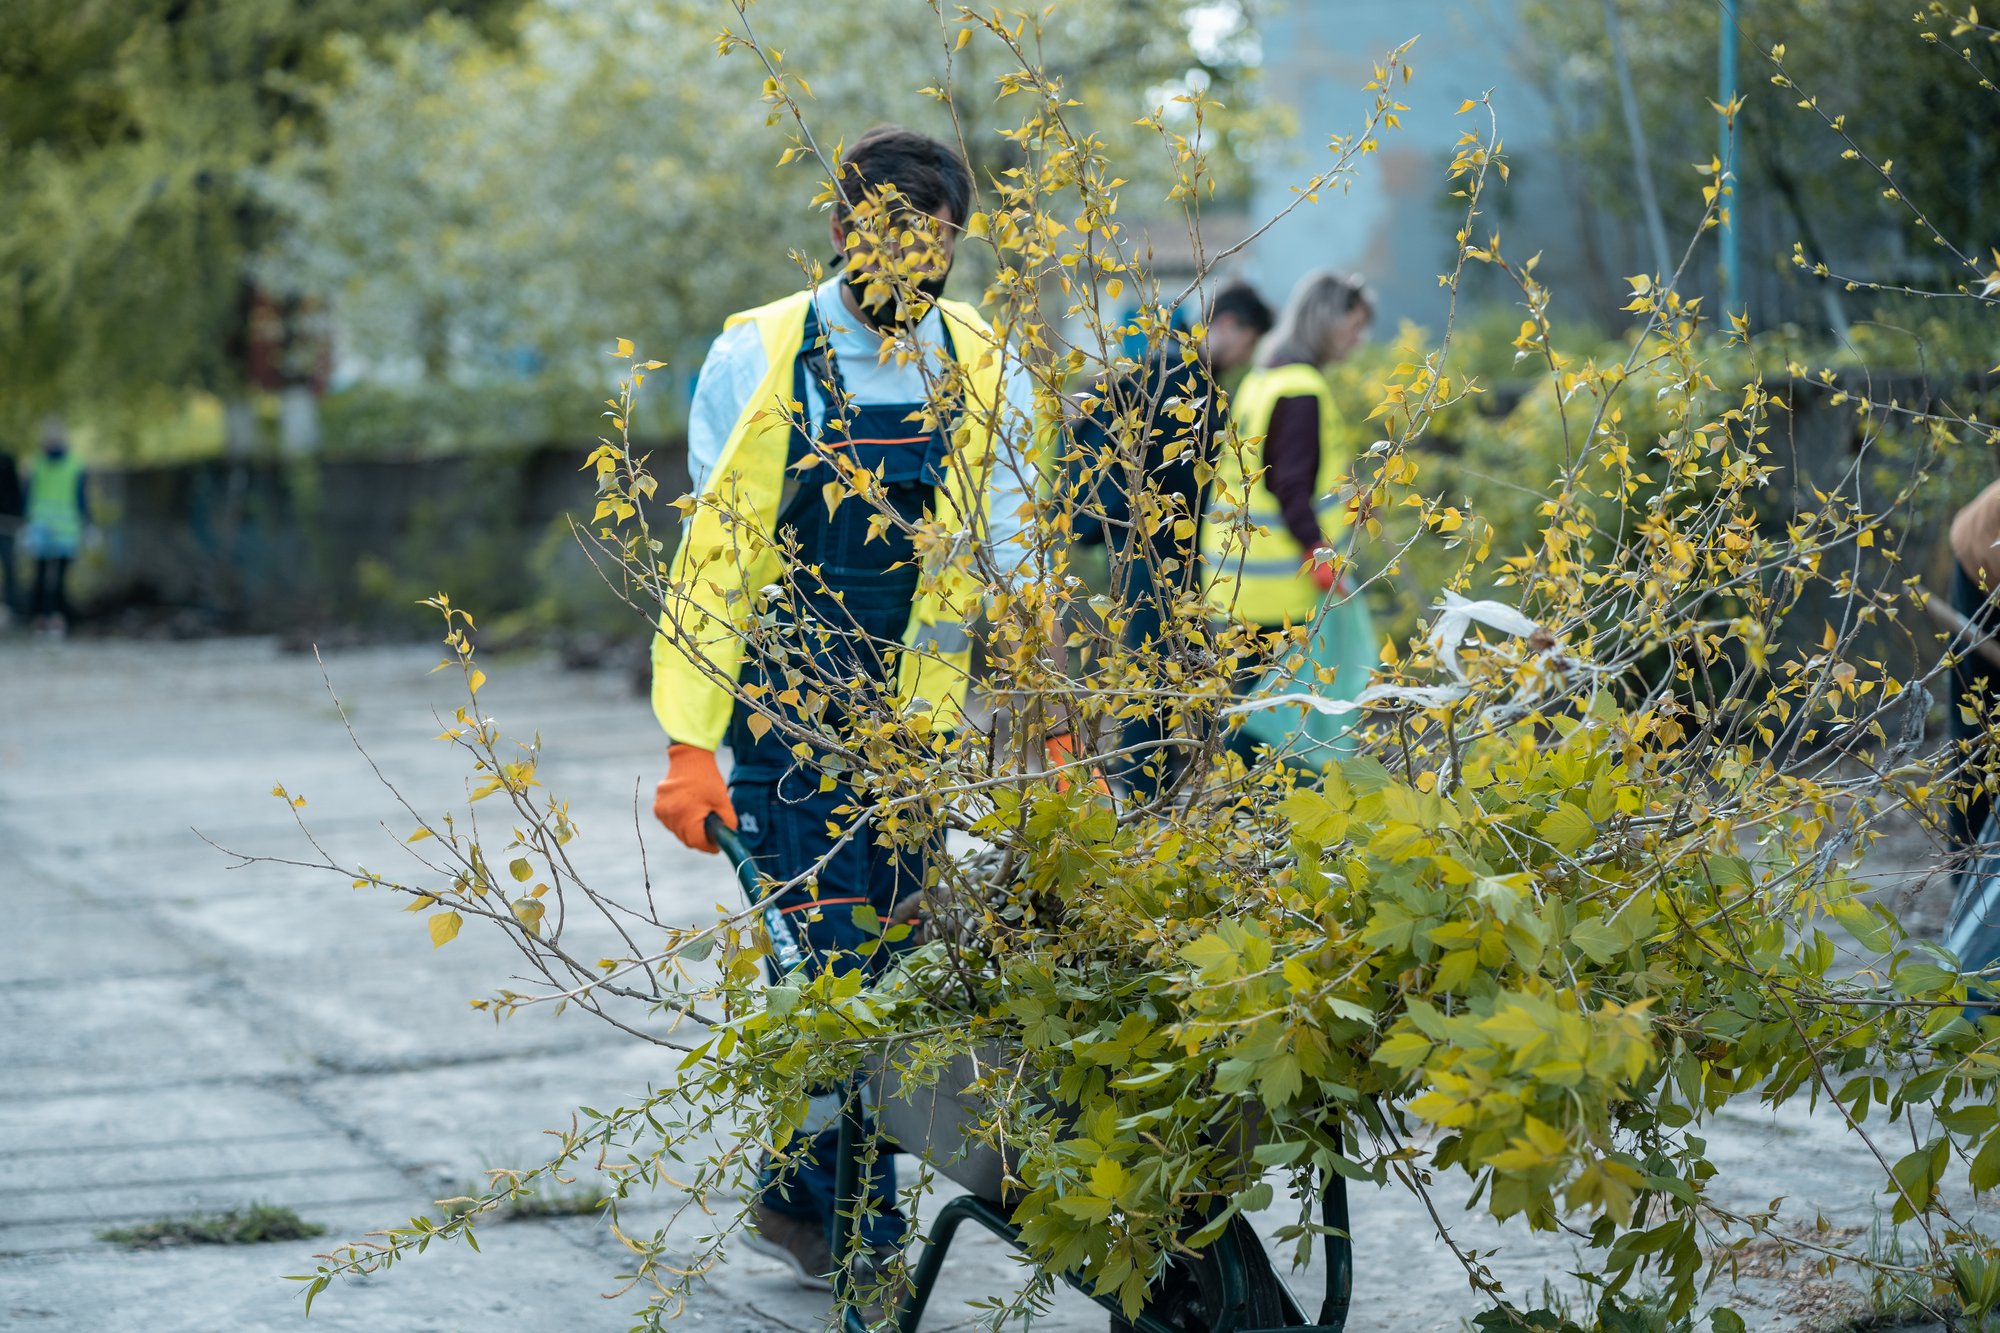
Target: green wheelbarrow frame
point(993, 1215)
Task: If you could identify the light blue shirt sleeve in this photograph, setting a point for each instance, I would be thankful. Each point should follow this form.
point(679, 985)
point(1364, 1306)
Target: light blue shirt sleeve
point(732, 372)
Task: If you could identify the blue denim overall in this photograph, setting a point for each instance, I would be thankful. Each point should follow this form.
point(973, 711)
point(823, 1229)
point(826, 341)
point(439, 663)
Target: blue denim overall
point(859, 602)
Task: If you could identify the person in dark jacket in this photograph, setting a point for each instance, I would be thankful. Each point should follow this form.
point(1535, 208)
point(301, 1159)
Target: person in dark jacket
point(1171, 404)
point(12, 505)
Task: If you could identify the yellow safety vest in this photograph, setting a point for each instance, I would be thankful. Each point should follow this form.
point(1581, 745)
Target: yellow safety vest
point(1264, 582)
point(724, 560)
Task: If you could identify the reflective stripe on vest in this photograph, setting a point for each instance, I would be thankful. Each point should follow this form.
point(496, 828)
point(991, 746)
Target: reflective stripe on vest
point(1264, 581)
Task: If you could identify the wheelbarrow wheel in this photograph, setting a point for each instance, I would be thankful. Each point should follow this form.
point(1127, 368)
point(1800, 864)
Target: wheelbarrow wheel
point(1189, 1295)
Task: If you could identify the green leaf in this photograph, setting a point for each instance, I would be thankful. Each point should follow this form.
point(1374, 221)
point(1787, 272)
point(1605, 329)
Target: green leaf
point(1365, 776)
point(1567, 827)
point(1107, 1178)
point(1862, 924)
point(1726, 870)
point(1913, 1174)
point(1985, 1172)
point(1391, 928)
point(1600, 941)
point(699, 949)
point(1314, 817)
point(1279, 1080)
point(1405, 1050)
point(1212, 954)
point(1726, 1320)
point(1279, 1154)
point(1920, 978)
point(866, 918)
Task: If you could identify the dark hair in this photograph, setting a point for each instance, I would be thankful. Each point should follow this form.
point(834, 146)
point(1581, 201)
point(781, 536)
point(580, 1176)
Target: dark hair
point(1239, 301)
point(930, 175)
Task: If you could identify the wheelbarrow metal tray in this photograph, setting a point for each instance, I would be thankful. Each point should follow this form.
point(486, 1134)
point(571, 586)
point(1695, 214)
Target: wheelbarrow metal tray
point(939, 1124)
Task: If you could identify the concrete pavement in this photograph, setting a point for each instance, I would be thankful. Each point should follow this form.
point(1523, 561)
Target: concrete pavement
point(175, 1035)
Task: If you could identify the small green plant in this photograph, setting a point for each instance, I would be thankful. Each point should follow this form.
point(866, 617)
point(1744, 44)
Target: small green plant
point(255, 1225)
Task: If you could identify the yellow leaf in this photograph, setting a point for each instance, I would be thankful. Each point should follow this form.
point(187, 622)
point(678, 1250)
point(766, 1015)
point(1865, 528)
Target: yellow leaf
point(418, 836)
point(520, 869)
point(964, 36)
point(758, 724)
point(1465, 106)
point(444, 928)
point(624, 347)
point(475, 680)
point(976, 225)
point(529, 912)
point(1113, 287)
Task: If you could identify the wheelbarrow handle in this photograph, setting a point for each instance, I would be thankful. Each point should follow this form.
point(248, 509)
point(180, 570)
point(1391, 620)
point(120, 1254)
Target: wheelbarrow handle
point(734, 851)
point(787, 953)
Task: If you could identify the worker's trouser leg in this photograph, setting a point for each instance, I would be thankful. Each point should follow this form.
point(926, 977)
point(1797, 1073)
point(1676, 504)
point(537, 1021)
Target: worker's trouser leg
point(51, 597)
point(784, 825)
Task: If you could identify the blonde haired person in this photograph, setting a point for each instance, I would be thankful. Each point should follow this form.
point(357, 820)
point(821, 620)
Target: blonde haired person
point(1289, 429)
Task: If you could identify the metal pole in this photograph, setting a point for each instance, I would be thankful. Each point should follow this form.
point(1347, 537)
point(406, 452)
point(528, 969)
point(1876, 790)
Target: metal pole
point(1726, 150)
point(1663, 259)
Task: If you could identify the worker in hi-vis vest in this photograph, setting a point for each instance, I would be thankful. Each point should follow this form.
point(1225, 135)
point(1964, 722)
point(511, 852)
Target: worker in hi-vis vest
point(58, 508)
point(746, 451)
point(1283, 411)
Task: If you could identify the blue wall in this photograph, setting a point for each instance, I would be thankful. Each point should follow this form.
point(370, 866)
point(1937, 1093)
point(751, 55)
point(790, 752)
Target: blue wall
point(1390, 226)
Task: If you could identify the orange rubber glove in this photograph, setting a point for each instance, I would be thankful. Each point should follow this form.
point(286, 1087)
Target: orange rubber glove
point(1320, 561)
point(691, 791)
point(1062, 750)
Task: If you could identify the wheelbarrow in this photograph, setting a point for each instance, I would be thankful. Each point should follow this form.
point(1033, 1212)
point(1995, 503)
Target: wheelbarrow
point(1230, 1287)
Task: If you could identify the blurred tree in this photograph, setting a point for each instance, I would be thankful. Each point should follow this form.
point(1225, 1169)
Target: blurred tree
point(1865, 59)
point(477, 215)
point(126, 215)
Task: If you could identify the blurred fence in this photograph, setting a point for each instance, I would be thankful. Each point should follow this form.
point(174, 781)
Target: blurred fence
point(291, 544)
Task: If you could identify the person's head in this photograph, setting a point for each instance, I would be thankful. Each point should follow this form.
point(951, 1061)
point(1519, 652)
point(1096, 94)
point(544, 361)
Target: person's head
point(55, 439)
point(896, 176)
point(1326, 318)
point(1236, 320)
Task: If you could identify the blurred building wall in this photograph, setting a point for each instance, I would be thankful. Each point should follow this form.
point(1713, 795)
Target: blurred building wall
point(1392, 225)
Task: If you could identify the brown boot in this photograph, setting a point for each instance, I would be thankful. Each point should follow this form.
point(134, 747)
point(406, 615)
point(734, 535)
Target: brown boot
point(798, 1244)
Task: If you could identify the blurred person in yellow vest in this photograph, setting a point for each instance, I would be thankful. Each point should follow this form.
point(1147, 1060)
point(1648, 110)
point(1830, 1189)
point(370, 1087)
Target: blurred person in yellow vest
point(1293, 453)
point(57, 509)
point(861, 602)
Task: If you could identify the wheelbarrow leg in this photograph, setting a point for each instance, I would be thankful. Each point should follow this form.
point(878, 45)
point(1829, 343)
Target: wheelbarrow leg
point(924, 1280)
point(1339, 1253)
